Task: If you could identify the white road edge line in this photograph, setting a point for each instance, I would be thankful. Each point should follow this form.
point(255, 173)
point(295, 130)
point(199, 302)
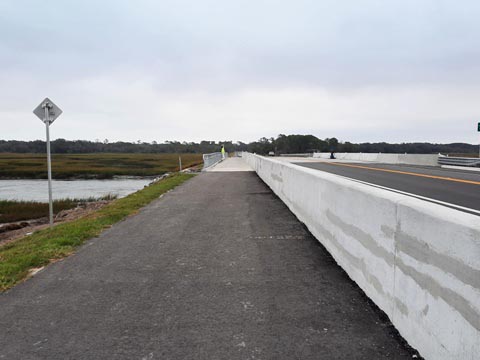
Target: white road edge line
point(458, 207)
point(460, 168)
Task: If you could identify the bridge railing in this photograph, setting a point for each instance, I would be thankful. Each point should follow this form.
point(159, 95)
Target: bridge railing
point(458, 161)
point(407, 159)
point(212, 159)
point(418, 261)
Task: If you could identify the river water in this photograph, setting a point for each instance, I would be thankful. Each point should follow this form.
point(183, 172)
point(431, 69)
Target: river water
point(37, 190)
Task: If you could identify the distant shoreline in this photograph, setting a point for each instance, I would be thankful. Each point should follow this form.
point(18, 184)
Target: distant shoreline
point(105, 166)
point(93, 177)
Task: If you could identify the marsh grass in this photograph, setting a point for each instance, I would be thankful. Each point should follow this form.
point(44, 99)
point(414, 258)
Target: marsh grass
point(11, 210)
point(19, 257)
point(89, 166)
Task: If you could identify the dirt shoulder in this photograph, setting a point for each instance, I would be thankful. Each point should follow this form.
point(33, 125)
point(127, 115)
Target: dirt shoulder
point(16, 230)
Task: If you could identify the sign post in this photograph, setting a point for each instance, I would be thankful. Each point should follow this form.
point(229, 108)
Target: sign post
point(478, 129)
point(47, 111)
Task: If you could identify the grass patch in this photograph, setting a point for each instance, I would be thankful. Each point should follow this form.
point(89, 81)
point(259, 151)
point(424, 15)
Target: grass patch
point(88, 166)
point(40, 248)
point(11, 210)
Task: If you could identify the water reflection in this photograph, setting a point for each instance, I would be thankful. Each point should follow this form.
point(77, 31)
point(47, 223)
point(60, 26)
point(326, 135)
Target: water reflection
point(37, 190)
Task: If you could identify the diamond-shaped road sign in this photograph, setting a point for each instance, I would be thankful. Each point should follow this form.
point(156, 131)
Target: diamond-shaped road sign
point(53, 111)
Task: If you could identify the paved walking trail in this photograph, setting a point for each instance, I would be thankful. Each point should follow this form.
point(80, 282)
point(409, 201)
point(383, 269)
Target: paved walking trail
point(231, 164)
point(219, 268)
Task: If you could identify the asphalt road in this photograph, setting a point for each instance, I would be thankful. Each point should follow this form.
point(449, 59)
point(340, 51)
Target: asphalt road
point(219, 268)
point(457, 187)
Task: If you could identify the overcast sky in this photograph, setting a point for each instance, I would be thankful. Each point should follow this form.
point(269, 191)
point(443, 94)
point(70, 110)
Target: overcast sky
point(188, 70)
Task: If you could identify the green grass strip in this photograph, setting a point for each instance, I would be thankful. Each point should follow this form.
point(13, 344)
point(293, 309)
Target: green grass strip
point(45, 246)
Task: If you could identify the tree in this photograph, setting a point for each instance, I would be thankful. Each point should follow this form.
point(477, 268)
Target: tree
point(283, 144)
point(332, 144)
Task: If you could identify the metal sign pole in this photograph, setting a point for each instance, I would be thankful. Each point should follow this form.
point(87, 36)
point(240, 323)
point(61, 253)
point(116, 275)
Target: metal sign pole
point(47, 111)
point(49, 165)
point(180, 163)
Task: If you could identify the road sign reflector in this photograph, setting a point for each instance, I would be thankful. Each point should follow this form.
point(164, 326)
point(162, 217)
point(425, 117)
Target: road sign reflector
point(53, 110)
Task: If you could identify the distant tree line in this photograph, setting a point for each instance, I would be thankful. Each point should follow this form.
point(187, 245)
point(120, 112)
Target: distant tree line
point(283, 144)
point(291, 144)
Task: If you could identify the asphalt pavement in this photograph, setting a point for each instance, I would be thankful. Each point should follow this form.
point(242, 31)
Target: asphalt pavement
point(456, 187)
point(218, 268)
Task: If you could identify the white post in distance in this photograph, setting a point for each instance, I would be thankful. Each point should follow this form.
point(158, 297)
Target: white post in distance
point(478, 129)
point(47, 111)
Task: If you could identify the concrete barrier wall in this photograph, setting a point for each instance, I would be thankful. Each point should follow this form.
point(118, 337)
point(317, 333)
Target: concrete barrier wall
point(418, 261)
point(409, 159)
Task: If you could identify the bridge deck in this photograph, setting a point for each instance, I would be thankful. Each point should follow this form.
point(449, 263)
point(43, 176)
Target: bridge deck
point(219, 268)
point(453, 187)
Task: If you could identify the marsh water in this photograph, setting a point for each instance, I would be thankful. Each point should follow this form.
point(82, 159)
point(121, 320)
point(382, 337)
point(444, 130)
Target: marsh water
point(37, 190)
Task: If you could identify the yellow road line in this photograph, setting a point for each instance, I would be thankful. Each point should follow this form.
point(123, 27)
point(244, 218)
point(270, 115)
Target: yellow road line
point(407, 173)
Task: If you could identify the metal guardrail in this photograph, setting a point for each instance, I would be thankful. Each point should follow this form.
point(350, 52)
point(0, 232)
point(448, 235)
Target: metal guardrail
point(458, 161)
point(212, 159)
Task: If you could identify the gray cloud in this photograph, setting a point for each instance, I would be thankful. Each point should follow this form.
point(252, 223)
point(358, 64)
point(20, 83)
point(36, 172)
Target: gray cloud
point(162, 57)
